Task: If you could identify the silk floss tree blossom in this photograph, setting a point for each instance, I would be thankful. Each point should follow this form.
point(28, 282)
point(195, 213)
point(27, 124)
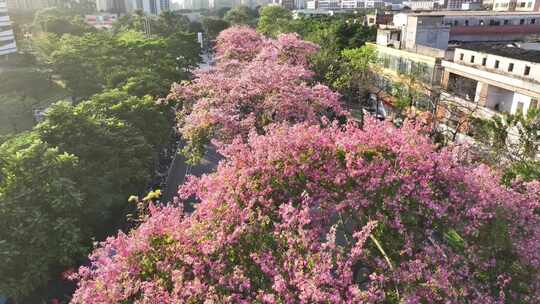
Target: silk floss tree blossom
point(330, 214)
point(256, 82)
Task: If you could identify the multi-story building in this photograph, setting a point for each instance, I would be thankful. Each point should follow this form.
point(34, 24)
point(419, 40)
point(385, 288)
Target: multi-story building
point(217, 4)
point(335, 5)
point(500, 78)
point(471, 26)
point(517, 5)
point(7, 37)
point(424, 5)
point(462, 4)
point(288, 4)
point(27, 4)
point(457, 69)
point(152, 7)
point(113, 6)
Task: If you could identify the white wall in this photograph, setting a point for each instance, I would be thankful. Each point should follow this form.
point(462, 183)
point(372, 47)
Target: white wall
point(504, 62)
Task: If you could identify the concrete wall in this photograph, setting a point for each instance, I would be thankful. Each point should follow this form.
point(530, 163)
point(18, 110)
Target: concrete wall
point(501, 97)
point(504, 63)
point(427, 32)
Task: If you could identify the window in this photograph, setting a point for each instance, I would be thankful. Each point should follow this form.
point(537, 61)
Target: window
point(466, 22)
point(484, 61)
point(472, 59)
point(461, 56)
point(494, 22)
point(521, 21)
point(456, 23)
point(497, 64)
point(510, 67)
point(529, 4)
point(533, 21)
point(533, 104)
point(520, 106)
point(506, 22)
point(527, 70)
point(522, 4)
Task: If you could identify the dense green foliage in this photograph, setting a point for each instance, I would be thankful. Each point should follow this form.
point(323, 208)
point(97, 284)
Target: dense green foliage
point(96, 61)
point(511, 142)
point(69, 179)
point(212, 26)
point(241, 15)
point(40, 213)
point(18, 100)
point(333, 34)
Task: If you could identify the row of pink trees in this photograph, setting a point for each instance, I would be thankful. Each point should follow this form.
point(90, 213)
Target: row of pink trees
point(256, 82)
point(303, 210)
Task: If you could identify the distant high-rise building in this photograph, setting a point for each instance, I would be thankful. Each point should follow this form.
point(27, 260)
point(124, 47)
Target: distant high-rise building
point(152, 7)
point(113, 6)
point(217, 4)
point(7, 37)
point(27, 4)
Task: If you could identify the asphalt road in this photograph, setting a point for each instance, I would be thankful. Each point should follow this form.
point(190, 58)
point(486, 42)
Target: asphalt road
point(180, 169)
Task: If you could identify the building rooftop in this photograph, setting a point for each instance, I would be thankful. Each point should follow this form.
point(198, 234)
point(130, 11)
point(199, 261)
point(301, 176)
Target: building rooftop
point(505, 50)
point(472, 13)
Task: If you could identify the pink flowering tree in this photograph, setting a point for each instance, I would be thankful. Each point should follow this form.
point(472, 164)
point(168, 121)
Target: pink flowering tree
point(330, 214)
point(256, 82)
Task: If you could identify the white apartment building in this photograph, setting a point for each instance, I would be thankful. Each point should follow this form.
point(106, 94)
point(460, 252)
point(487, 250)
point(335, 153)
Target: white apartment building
point(457, 54)
point(517, 5)
point(424, 5)
point(501, 78)
point(7, 37)
point(344, 4)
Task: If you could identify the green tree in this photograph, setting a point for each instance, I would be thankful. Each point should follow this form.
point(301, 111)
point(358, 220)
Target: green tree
point(355, 72)
point(153, 120)
point(213, 26)
point(40, 214)
point(169, 23)
point(274, 20)
point(240, 15)
point(115, 159)
point(96, 61)
point(513, 142)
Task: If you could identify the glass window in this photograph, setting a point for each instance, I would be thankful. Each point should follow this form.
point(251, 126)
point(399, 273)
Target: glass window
point(510, 67)
point(519, 109)
point(497, 64)
point(533, 21)
point(472, 59)
point(521, 21)
point(533, 104)
point(484, 61)
point(527, 70)
point(466, 22)
point(506, 22)
point(461, 56)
